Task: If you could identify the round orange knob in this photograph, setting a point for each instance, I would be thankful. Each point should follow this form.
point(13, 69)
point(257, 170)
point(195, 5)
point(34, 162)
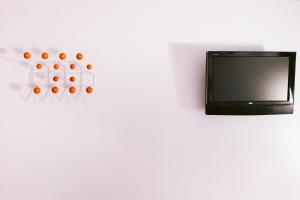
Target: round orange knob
point(89, 90)
point(72, 66)
point(55, 90)
point(79, 56)
point(55, 78)
point(27, 55)
point(72, 90)
point(45, 55)
point(39, 66)
point(72, 78)
point(56, 66)
point(37, 90)
point(62, 56)
point(89, 66)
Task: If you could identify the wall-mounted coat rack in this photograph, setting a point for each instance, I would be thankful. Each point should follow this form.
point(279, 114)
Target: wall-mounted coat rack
point(60, 76)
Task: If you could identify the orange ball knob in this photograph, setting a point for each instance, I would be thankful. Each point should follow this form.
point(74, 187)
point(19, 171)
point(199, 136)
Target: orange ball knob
point(79, 56)
point(55, 90)
point(89, 66)
point(72, 78)
point(55, 78)
point(62, 56)
point(72, 90)
point(72, 66)
point(39, 66)
point(37, 90)
point(56, 66)
point(27, 55)
point(45, 55)
point(89, 90)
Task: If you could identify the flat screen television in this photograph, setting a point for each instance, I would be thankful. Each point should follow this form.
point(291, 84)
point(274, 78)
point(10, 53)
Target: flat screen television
point(250, 83)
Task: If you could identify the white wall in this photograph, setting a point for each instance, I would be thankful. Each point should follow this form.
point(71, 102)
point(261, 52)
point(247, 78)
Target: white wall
point(143, 135)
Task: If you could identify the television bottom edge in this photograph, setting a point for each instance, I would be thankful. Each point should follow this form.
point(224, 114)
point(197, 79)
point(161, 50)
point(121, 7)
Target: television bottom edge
point(249, 110)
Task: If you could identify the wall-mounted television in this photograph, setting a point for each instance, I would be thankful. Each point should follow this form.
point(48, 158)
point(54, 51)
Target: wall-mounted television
point(250, 83)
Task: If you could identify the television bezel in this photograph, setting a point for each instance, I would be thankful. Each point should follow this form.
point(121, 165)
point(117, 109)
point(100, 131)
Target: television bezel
point(249, 107)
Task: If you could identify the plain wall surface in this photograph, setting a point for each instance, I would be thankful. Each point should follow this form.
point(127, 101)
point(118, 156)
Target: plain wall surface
point(143, 134)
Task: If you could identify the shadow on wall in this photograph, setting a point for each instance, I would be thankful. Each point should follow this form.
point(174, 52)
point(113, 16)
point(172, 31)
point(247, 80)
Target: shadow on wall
point(189, 67)
point(15, 55)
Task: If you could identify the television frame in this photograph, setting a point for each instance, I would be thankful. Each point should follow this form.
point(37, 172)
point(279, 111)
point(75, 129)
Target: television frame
point(249, 107)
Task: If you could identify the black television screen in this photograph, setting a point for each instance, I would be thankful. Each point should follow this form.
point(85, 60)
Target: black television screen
point(250, 82)
point(250, 78)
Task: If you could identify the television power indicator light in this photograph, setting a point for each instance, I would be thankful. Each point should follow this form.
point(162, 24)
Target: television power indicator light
point(250, 103)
